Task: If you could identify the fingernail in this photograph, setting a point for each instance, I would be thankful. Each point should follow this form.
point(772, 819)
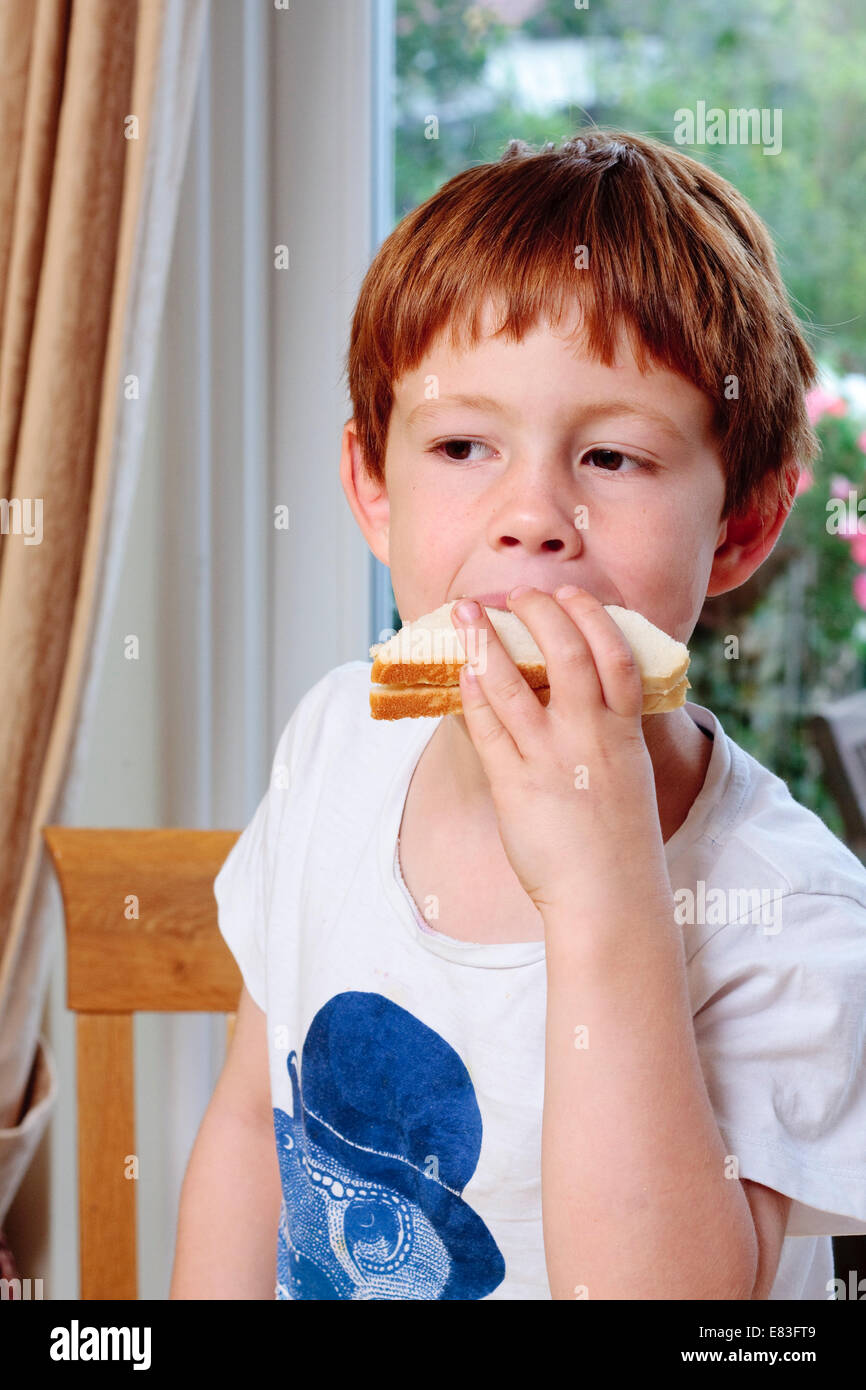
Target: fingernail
point(468, 611)
point(567, 591)
point(521, 589)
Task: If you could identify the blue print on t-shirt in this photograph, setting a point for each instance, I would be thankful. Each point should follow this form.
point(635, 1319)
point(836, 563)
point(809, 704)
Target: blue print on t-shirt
point(385, 1133)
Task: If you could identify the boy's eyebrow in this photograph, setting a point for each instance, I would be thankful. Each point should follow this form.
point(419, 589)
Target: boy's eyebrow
point(609, 407)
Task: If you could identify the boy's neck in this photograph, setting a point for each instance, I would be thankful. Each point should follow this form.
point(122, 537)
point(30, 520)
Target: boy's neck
point(679, 752)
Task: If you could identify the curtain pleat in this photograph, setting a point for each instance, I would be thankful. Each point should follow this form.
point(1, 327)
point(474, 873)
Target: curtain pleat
point(95, 104)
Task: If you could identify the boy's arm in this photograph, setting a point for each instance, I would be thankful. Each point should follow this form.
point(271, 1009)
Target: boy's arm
point(230, 1200)
point(636, 1197)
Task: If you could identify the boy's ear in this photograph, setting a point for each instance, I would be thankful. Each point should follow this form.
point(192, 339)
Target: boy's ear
point(746, 538)
point(365, 494)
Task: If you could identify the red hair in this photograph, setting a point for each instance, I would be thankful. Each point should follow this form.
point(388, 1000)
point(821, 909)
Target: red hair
point(674, 252)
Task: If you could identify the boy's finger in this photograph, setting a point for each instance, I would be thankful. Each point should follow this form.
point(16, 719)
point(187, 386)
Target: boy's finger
point(504, 687)
point(492, 740)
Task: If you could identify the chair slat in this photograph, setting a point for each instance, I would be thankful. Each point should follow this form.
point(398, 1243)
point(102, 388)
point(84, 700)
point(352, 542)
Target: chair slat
point(106, 1147)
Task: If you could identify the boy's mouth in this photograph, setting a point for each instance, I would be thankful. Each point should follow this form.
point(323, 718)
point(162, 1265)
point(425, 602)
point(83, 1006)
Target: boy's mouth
point(495, 600)
point(499, 599)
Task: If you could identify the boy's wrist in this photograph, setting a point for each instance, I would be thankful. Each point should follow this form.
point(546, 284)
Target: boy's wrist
point(589, 913)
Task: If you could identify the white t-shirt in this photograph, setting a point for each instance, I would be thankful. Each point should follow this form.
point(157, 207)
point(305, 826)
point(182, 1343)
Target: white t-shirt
point(407, 1068)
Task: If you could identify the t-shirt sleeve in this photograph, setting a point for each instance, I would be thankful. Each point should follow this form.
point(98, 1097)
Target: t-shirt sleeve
point(781, 1035)
point(242, 887)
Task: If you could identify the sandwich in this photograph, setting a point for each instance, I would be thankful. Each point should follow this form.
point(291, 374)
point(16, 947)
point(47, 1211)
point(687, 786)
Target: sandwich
point(417, 671)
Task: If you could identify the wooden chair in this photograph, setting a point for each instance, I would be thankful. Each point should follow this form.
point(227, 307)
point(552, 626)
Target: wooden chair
point(839, 730)
point(141, 934)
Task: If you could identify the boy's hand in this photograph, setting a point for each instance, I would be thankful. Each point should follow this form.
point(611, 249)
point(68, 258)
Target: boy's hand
point(572, 782)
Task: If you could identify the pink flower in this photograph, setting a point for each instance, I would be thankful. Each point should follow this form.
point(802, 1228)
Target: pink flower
point(859, 587)
point(819, 402)
point(804, 482)
point(861, 443)
point(858, 548)
point(840, 486)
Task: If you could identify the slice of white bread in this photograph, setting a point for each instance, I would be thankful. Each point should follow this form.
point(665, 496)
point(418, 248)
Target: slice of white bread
point(417, 671)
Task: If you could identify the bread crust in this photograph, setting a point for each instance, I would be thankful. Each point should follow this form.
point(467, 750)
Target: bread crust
point(415, 673)
point(434, 699)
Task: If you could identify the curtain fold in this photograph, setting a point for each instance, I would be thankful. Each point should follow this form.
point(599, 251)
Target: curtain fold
point(96, 105)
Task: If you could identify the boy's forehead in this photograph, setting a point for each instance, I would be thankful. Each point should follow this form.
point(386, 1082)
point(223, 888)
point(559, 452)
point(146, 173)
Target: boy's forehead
point(498, 366)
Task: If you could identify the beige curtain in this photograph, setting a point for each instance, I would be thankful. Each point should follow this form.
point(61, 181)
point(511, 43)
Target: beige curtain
point(82, 122)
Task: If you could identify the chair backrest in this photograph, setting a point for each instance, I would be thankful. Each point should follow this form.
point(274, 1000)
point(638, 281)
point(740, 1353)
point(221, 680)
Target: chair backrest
point(839, 730)
point(141, 935)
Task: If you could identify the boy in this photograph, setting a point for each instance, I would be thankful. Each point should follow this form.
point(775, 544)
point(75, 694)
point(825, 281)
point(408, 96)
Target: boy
point(502, 1054)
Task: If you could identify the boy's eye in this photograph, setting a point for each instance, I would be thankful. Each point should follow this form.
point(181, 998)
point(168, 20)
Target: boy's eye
point(462, 444)
point(608, 460)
